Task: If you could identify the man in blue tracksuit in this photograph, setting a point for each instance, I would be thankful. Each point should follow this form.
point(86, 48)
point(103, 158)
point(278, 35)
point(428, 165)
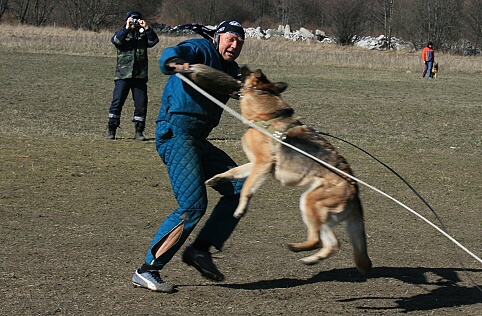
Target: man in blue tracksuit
point(185, 120)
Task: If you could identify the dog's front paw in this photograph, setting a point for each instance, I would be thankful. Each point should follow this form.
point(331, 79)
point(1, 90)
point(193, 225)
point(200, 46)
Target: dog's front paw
point(238, 215)
point(242, 207)
point(239, 212)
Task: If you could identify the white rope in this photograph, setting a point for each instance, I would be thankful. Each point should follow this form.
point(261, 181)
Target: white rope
point(264, 131)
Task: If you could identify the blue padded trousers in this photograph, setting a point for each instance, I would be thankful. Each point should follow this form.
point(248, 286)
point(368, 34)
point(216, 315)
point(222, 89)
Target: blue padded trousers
point(190, 161)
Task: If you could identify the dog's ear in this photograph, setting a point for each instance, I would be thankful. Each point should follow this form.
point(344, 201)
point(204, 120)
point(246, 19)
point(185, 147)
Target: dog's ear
point(279, 87)
point(276, 88)
point(260, 75)
point(244, 71)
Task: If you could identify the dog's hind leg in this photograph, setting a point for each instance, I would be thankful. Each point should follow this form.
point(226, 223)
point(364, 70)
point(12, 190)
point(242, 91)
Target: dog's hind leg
point(313, 222)
point(321, 210)
point(356, 232)
point(330, 246)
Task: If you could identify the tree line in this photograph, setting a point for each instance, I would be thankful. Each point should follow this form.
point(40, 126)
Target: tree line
point(444, 22)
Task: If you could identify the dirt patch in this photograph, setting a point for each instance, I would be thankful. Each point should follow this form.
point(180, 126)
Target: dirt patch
point(77, 212)
point(72, 236)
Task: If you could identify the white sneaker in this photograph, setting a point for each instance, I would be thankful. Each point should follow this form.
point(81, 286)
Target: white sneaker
point(151, 280)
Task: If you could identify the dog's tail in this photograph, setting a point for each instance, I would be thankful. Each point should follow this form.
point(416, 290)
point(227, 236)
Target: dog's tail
point(355, 228)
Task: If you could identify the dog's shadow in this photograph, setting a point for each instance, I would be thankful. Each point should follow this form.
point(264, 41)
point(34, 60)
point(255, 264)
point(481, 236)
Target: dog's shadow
point(447, 293)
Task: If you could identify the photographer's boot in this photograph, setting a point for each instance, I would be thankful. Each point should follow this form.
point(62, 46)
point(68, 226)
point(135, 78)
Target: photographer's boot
point(111, 129)
point(140, 126)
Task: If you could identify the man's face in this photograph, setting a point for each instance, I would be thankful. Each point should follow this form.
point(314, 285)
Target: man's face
point(131, 20)
point(230, 46)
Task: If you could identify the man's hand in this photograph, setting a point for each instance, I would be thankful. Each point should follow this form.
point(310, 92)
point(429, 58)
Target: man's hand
point(178, 65)
point(143, 24)
point(128, 23)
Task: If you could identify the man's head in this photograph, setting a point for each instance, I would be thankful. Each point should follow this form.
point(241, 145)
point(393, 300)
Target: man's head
point(134, 14)
point(429, 44)
point(229, 39)
point(133, 18)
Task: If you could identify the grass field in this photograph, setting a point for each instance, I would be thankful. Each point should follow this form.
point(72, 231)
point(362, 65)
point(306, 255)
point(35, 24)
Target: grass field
point(77, 212)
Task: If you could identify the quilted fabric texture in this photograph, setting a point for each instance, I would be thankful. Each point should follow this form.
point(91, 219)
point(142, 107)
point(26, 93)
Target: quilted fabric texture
point(190, 161)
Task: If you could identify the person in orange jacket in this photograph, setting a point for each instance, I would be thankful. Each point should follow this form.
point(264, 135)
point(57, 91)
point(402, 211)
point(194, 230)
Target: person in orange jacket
point(428, 57)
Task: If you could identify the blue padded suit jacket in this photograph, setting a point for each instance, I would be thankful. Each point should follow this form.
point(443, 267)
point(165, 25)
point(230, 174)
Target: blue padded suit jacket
point(180, 99)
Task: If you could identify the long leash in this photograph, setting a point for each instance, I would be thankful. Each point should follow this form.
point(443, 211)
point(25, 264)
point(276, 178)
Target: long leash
point(392, 171)
point(327, 165)
point(464, 269)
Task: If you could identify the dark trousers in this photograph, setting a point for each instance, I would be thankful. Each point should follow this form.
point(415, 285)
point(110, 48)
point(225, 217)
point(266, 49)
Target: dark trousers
point(139, 95)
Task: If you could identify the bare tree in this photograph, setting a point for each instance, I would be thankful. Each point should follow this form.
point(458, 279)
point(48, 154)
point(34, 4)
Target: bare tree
point(174, 12)
point(260, 11)
point(40, 11)
point(89, 14)
point(211, 12)
point(3, 7)
point(309, 13)
point(383, 14)
point(440, 21)
point(297, 13)
point(349, 18)
point(35, 12)
point(283, 11)
point(474, 17)
point(20, 9)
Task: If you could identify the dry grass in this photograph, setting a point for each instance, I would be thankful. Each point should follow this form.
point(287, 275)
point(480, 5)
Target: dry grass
point(77, 211)
point(261, 52)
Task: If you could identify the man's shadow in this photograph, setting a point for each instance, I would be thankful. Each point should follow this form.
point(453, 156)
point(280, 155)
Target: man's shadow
point(448, 293)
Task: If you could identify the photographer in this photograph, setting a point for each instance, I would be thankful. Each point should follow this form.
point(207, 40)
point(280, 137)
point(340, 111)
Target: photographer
point(132, 43)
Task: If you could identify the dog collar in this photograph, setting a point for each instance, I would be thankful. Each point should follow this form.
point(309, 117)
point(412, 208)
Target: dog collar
point(270, 129)
point(251, 88)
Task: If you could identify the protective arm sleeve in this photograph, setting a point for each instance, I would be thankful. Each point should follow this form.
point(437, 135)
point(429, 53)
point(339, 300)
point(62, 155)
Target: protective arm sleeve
point(179, 54)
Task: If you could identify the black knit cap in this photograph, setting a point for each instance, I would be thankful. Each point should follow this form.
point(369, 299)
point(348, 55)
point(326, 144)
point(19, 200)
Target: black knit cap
point(230, 26)
point(134, 13)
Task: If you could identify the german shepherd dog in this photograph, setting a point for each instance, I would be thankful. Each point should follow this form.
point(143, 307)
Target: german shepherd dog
point(435, 71)
point(331, 198)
